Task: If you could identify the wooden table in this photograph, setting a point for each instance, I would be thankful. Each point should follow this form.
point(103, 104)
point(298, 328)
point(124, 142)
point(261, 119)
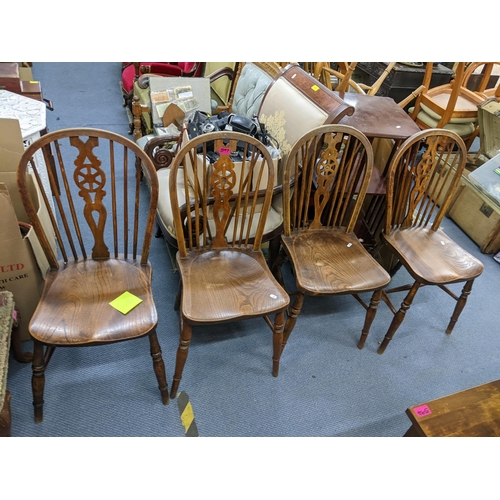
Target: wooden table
point(471, 413)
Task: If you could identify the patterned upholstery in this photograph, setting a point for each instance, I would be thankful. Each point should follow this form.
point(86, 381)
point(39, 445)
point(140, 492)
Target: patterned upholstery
point(250, 89)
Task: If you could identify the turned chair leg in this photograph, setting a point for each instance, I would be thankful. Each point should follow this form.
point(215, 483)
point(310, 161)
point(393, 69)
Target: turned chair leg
point(462, 300)
point(182, 353)
point(292, 318)
point(38, 380)
point(159, 366)
point(399, 317)
point(370, 316)
point(279, 326)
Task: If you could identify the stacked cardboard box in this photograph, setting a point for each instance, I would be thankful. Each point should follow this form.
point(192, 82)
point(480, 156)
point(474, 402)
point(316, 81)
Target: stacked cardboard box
point(22, 262)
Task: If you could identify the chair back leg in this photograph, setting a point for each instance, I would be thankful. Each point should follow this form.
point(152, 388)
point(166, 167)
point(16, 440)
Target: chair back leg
point(159, 366)
point(461, 301)
point(399, 316)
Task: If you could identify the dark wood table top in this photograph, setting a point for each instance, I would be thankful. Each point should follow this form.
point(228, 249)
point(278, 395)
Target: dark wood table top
point(378, 117)
point(471, 413)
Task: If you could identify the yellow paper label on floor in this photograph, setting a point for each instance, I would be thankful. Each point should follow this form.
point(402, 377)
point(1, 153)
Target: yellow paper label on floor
point(125, 302)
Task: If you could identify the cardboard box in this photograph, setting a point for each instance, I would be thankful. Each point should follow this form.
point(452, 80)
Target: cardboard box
point(22, 262)
point(9, 76)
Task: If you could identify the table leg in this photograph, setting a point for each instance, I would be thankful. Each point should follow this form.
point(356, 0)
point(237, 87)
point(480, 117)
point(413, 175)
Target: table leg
point(411, 432)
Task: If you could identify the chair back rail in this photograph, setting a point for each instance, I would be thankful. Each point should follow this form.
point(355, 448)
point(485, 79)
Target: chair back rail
point(92, 166)
point(427, 168)
point(229, 198)
point(332, 166)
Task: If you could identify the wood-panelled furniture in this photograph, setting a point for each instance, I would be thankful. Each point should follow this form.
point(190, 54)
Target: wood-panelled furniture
point(471, 413)
point(100, 202)
point(325, 180)
point(403, 78)
point(19, 79)
point(219, 227)
point(422, 178)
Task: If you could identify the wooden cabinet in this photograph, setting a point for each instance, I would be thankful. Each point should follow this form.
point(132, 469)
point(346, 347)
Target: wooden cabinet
point(402, 80)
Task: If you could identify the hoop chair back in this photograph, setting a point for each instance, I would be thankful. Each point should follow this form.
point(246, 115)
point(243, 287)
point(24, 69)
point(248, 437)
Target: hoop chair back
point(229, 198)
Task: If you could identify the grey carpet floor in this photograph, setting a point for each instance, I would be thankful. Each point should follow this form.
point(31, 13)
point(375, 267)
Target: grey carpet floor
point(326, 387)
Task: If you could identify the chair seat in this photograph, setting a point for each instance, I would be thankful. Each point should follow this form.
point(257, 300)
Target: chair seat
point(431, 257)
point(207, 296)
point(84, 316)
point(333, 263)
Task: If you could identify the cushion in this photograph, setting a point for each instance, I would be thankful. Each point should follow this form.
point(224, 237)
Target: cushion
point(288, 114)
point(462, 129)
point(250, 89)
point(437, 117)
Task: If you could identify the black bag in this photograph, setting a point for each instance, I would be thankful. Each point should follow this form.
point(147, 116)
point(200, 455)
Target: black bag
point(202, 123)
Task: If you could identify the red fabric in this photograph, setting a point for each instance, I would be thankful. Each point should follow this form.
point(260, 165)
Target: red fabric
point(160, 68)
point(166, 69)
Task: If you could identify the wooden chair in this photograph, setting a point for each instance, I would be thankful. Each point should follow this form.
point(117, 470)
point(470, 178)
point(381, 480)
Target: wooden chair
point(422, 179)
point(271, 69)
point(328, 170)
point(224, 275)
point(132, 72)
point(141, 122)
point(477, 76)
point(323, 71)
point(103, 228)
point(451, 106)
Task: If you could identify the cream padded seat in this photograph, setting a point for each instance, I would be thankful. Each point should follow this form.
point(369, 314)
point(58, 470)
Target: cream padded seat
point(461, 126)
point(164, 211)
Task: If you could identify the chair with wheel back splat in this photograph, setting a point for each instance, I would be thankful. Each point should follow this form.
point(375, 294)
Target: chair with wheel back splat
point(100, 203)
point(422, 179)
point(326, 177)
point(221, 185)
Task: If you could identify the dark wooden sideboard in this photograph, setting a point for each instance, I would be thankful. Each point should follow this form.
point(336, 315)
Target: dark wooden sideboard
point(402, 80)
